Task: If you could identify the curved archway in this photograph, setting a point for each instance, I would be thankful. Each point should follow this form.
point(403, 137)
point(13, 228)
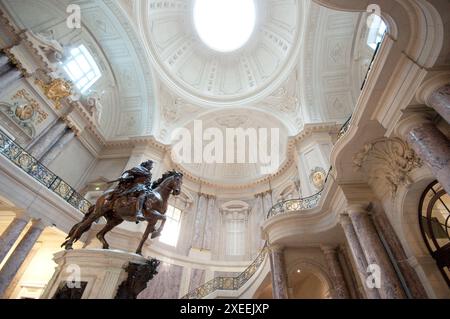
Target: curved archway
point(307, 279)
point(403, 19)
point(434, 219)
point(264, 291)
point(406, 224)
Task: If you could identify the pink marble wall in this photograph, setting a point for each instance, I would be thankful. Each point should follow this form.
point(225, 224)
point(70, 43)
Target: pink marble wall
point(165, 285)
point(197, 278)
point(211, 215)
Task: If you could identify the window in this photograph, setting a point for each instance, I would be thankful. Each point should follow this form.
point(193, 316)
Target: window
point(434, 221)
point(376, 30)
point(81, 68)
point(171, 229)
point(235, 228)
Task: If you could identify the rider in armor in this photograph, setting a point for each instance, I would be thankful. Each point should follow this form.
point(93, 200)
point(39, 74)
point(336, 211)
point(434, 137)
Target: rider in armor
point(134, 183)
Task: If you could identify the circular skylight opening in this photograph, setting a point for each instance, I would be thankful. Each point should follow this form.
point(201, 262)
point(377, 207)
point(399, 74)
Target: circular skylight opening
point(224, 25)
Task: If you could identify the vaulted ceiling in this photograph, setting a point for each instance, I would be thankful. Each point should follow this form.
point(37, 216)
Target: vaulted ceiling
point(302, 64)
point(211, 78)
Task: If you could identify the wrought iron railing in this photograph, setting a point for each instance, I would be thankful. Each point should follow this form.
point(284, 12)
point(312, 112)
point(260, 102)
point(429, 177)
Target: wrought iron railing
point(228, 283)
point(291, 205)
point(298, 204)
point(16, 154)
point(371, 62)
point(344, 128)
point(346, 125)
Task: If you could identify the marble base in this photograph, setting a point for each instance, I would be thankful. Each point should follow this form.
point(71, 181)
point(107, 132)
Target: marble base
point(100, 271)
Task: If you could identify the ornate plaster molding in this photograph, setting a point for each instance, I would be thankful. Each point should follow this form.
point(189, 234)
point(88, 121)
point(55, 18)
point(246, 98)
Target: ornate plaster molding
point(388, 160)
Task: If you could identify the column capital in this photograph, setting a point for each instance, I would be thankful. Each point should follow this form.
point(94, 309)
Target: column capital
point(432, 85)
point(38, 223)
point(344, 219)
point(276, 248)
point(357, 208)
point(329, 249)
point(22, 215)
point(411, 121)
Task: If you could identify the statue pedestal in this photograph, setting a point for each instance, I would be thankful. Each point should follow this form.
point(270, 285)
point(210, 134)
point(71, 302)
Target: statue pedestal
point(93, 273)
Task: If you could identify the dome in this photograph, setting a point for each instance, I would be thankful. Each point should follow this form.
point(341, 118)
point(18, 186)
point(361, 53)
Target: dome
point(239, 133)
point(204, 75)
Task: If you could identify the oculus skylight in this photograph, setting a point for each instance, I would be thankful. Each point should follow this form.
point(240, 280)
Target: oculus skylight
point(224, 25)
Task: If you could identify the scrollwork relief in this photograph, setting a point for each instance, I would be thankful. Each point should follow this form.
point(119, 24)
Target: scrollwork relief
point(173, 108)
point(24, 111)
point(389, 160)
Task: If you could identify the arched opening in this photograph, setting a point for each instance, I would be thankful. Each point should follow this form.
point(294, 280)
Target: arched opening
point(264, 291)
point(305, 284)
point(434, 220)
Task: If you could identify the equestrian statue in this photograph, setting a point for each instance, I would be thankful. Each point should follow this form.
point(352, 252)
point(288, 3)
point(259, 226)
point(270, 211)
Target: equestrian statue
point(134, 199)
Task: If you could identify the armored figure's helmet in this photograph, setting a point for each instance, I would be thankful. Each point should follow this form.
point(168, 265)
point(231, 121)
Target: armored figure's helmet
point(147, 164)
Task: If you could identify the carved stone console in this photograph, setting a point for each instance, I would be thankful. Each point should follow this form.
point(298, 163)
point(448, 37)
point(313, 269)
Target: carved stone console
point(389, 161)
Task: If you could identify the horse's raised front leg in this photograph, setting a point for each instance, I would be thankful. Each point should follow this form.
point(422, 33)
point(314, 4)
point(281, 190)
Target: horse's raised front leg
point(112, 222)
point(158, 215)
point(157, 233)
point(150, 228)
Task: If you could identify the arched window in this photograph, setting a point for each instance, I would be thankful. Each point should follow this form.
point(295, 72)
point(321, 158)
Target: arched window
point(81, 68)
point(434, 220)
point(172, 227)
point(236, 230)
point(376, 30)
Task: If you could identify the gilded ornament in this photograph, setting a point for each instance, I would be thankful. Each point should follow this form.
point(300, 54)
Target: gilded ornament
point(56, 90)
point(317, 177)
point(15, 62)
point(27, 110)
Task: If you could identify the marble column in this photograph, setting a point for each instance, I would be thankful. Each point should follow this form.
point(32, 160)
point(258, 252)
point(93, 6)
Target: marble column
point(4, 60)
point(375, 253)
point(209, 223)
point(355, 289)
point(45, 141)
point(430, 144)
point(440, 102)
point(19, 255)
point(259, 217)
point(57, 148)
point(200, 217)
point(358, 256)
point(12, 233)
point(5, 68)
point(410, 276)
point(340, 289)
point(9, 77)
point(278, 271)
point(267, 202)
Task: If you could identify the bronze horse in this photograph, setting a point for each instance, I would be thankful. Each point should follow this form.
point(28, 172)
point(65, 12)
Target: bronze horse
point(123, 208)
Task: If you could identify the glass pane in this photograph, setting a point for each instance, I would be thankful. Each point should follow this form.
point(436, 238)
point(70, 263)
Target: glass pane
point(83, 63)
point(176, 214)
point(74, 70)
point(82, 83)
point(82, 68)
point(75, 51)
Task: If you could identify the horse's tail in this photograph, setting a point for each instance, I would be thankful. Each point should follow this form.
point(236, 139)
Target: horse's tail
point(90, 211)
